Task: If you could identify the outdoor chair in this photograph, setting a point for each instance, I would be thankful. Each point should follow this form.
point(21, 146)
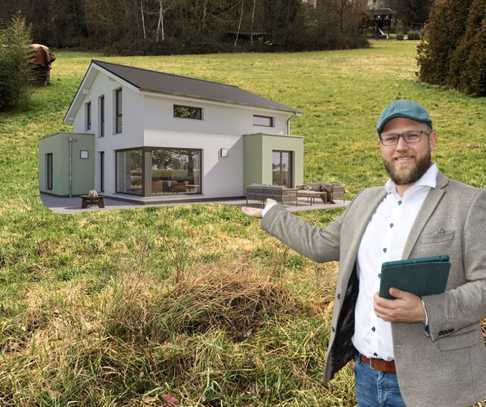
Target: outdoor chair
point(279, 193)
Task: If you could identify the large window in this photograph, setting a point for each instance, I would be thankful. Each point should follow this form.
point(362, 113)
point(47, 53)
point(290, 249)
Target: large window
point(175, 171)
point(118, 111)
point(49, 171)
point(282, 168)
point(188, 112)
point(129, 171)
point(101, 112)
point(158, 171)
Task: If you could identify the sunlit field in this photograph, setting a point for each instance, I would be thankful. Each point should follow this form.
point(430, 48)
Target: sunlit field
point(129, 307)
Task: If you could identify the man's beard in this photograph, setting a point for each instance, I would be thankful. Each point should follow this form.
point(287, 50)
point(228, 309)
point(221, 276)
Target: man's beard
point(413, 174)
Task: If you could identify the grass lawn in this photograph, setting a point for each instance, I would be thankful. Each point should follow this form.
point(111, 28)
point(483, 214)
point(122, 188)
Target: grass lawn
point(91, 313)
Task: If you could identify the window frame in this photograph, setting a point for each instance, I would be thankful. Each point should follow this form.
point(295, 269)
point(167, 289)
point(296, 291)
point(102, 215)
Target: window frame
point(101, 116)
point(102, 170)
point(49, 171)
point(118, 112)
point(145, 174)
point(260, 116)
point(291, 165)
point(87, 115)
point(200, 109)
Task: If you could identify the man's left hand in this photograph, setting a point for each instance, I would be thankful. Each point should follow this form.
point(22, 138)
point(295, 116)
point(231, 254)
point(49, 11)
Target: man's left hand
point(406, 307)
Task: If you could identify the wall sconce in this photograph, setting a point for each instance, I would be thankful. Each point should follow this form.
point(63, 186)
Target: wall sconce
point(223, 152)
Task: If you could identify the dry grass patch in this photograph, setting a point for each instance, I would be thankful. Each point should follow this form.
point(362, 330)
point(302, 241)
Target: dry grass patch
point(223, 335)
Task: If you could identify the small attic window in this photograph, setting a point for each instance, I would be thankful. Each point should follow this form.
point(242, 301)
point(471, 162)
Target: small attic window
point(188, 112)
point(264, 121)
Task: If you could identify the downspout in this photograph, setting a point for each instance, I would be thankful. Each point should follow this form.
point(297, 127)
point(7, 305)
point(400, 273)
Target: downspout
point(288, 134)
point(70, 167)
point(288, 122)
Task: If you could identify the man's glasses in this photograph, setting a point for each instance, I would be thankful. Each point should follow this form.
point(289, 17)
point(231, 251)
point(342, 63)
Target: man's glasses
point(410, 137)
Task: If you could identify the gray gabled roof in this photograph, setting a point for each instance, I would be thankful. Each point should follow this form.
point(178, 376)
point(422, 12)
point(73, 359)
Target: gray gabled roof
point(169, 84)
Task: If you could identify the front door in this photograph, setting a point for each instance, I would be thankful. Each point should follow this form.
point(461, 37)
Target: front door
point(282, 168)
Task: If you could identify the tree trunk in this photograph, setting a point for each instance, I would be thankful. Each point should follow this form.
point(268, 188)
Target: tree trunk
point(239, 24)
point(204, 14)
point(160, 32)
point(143, 20)
point(252, 21)
point(342, 15)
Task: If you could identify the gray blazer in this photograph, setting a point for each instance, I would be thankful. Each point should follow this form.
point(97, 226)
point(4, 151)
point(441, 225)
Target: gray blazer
point(446, 367)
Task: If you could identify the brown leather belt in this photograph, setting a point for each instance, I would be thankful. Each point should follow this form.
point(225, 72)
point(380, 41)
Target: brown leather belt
point(379, 364)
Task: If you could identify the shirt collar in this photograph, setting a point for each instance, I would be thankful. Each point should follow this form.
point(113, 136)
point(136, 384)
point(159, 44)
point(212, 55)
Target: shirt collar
point(429, 179)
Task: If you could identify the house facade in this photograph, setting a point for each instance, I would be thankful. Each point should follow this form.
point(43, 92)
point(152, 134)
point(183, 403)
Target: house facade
point(160, 136)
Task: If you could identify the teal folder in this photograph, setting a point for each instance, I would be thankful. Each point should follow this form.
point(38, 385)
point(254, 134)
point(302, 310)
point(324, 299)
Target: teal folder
point(421, 276)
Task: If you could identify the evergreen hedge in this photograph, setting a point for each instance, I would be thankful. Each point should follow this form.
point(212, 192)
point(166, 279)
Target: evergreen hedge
point(453, 50)
point(15, 70)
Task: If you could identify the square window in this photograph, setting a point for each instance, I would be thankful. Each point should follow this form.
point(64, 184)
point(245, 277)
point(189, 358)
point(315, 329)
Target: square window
point(84, 154)
point(188, 112)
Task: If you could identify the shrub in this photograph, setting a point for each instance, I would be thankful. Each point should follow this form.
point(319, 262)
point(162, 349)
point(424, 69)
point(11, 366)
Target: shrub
point(15, 71)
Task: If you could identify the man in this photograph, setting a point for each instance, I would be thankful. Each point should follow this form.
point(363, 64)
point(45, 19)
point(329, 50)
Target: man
point(408, 351)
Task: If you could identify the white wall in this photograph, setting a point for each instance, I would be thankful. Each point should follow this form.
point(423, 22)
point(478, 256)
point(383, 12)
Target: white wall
point(221, 127)
point(217, 118)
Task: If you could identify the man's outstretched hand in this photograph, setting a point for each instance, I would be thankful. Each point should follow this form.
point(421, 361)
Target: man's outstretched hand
point(257, 212)
point(406, 307)
point(253, 212)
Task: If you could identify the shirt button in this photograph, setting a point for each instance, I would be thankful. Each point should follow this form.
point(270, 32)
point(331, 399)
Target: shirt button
point(391, 225)
point(384, 250)
point(399, 202)
point(339, 296)
point(373, 329)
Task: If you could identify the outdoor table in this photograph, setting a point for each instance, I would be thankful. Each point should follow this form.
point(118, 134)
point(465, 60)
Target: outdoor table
point(312, 196)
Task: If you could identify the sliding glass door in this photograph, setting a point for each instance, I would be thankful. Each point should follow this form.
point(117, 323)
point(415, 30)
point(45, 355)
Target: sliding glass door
point(282, 168)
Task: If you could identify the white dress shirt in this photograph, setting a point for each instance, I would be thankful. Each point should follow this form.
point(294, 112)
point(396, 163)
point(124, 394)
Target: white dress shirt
point(384, 240)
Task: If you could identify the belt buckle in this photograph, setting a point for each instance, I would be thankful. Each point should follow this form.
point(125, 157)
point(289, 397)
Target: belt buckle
point(371, 363)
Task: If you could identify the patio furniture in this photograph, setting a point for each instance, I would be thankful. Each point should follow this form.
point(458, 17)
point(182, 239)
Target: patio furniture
point(87, 200)
point(279, 193)
point(312, 196)
point(334, 191)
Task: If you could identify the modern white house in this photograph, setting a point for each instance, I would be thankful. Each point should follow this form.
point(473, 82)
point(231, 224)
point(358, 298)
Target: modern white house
point(160, 136)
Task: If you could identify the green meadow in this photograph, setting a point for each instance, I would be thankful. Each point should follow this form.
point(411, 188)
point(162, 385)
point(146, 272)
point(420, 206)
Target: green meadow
point(128, 307)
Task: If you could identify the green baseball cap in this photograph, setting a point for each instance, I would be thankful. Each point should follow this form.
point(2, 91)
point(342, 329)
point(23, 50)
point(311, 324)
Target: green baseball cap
point(408, 109)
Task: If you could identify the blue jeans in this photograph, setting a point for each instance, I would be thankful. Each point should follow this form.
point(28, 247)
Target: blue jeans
point(376, 389)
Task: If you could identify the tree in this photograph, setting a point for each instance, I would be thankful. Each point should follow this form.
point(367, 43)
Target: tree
point(15, 70)
point(443, 32)
point(467, 70)
point(413, 13)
